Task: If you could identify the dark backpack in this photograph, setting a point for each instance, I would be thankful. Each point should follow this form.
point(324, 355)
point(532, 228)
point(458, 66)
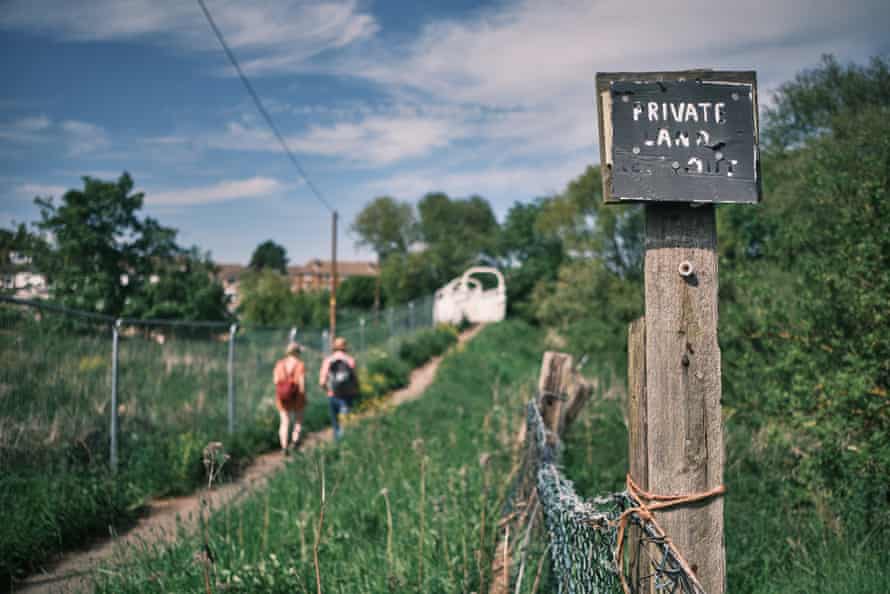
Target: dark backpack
point(341, 378)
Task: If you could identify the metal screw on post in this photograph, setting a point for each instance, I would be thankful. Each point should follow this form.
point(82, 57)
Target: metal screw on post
point(233, 329)
point(115, 338)
point(361, 324)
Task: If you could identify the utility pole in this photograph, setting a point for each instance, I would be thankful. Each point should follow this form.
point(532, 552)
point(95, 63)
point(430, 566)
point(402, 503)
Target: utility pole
point(333, 333)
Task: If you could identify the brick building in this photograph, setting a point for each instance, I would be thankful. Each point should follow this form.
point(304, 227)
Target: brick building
point(312, 276)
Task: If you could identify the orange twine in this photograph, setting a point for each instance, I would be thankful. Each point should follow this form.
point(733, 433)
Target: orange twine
point(644, 509)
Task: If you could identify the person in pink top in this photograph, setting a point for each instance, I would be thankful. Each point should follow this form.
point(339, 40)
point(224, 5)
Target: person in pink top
point(290, 395)
point(338, 377)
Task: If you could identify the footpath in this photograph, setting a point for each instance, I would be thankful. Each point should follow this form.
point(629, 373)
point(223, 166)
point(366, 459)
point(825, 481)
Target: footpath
point(166, 517)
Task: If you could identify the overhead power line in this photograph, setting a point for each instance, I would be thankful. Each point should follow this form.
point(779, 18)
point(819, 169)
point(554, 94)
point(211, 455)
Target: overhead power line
point(261, 107)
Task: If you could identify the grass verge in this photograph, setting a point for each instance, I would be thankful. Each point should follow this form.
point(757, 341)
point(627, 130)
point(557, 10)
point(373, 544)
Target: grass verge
point(410, 498)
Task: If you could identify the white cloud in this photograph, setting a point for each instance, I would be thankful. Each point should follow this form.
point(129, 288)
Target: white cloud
point(255, 187)
point(379, 139)
point(78, 138)
point(277, 35)
point(31, 190)
point(83, 137)
point(33, 123)
point(502, 185)
point(537, 60)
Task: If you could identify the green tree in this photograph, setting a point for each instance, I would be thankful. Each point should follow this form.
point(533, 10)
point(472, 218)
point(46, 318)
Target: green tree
point(182, 288)
point(804, 280)
point(100, 249)
point(457, 234)
point(405, 277)
point(386, 226)
point(18, 243)
point(807, 106)
point(266, 299)
point(269, 255)
point(528, 254)
point(102, 256)
point(601, 271)
point(357, 292)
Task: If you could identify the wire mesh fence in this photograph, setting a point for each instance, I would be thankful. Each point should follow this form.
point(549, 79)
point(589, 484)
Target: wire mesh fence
point(107, 387)
point(608, 544)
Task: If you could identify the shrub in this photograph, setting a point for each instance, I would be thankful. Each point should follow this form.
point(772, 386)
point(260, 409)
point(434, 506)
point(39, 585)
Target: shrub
point(427, 344)
point(383, 373)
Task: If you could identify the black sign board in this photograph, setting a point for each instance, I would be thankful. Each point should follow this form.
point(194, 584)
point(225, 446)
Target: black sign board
point(679, 136)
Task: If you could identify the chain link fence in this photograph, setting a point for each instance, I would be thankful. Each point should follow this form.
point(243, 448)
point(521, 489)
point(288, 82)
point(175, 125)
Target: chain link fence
point(104, 386)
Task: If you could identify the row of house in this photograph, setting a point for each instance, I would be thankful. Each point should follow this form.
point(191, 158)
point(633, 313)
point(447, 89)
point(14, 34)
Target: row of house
point(312, 276)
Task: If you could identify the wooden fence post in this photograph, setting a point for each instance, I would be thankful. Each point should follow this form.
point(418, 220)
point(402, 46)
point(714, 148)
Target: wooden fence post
point(553, 388)
point(636, 437)
point(684, 428)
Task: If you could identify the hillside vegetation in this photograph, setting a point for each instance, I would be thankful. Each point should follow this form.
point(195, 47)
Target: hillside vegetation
point(411, 497)
point(804, 327)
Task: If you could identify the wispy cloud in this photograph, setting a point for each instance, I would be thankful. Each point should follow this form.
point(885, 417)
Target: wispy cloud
point(502, 184)
point(32, 190)
point(272, 36)
point(374, 140)
point(77, 137)
point(255, 187)
point(83, 137)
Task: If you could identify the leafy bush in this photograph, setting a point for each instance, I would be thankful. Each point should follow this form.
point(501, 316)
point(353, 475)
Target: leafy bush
point(383, 373)
point(426, 344)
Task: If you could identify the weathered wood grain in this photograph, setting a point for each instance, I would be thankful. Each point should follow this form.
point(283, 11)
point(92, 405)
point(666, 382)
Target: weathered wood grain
point(684, 446)
point(636, 437)
point(553, 386)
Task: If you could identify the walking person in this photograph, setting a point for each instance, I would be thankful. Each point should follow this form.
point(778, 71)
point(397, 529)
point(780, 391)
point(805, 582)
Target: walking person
point(289, 376)
point(338, 377)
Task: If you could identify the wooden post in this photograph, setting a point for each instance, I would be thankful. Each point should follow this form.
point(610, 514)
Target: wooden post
point(553, 385)
point(684, 428)
point(636, 437)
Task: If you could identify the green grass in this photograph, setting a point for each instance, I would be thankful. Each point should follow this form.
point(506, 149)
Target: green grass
point(56, 484)
point(421, 461)
point(778, 541)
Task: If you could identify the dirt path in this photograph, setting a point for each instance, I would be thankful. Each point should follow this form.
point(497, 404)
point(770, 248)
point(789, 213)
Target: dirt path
point(166, 517)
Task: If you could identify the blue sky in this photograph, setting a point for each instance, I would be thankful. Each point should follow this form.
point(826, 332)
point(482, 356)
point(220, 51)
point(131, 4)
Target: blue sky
point(397, 98)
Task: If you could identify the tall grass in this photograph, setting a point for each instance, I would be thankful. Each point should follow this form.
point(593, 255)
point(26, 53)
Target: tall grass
point(442, 458)
point(56, 486)
point(776, 541)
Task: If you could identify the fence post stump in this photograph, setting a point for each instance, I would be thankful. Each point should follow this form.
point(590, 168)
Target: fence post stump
point(231, 369)
point(684, 428)
point(553, 387)
point(115, 339)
